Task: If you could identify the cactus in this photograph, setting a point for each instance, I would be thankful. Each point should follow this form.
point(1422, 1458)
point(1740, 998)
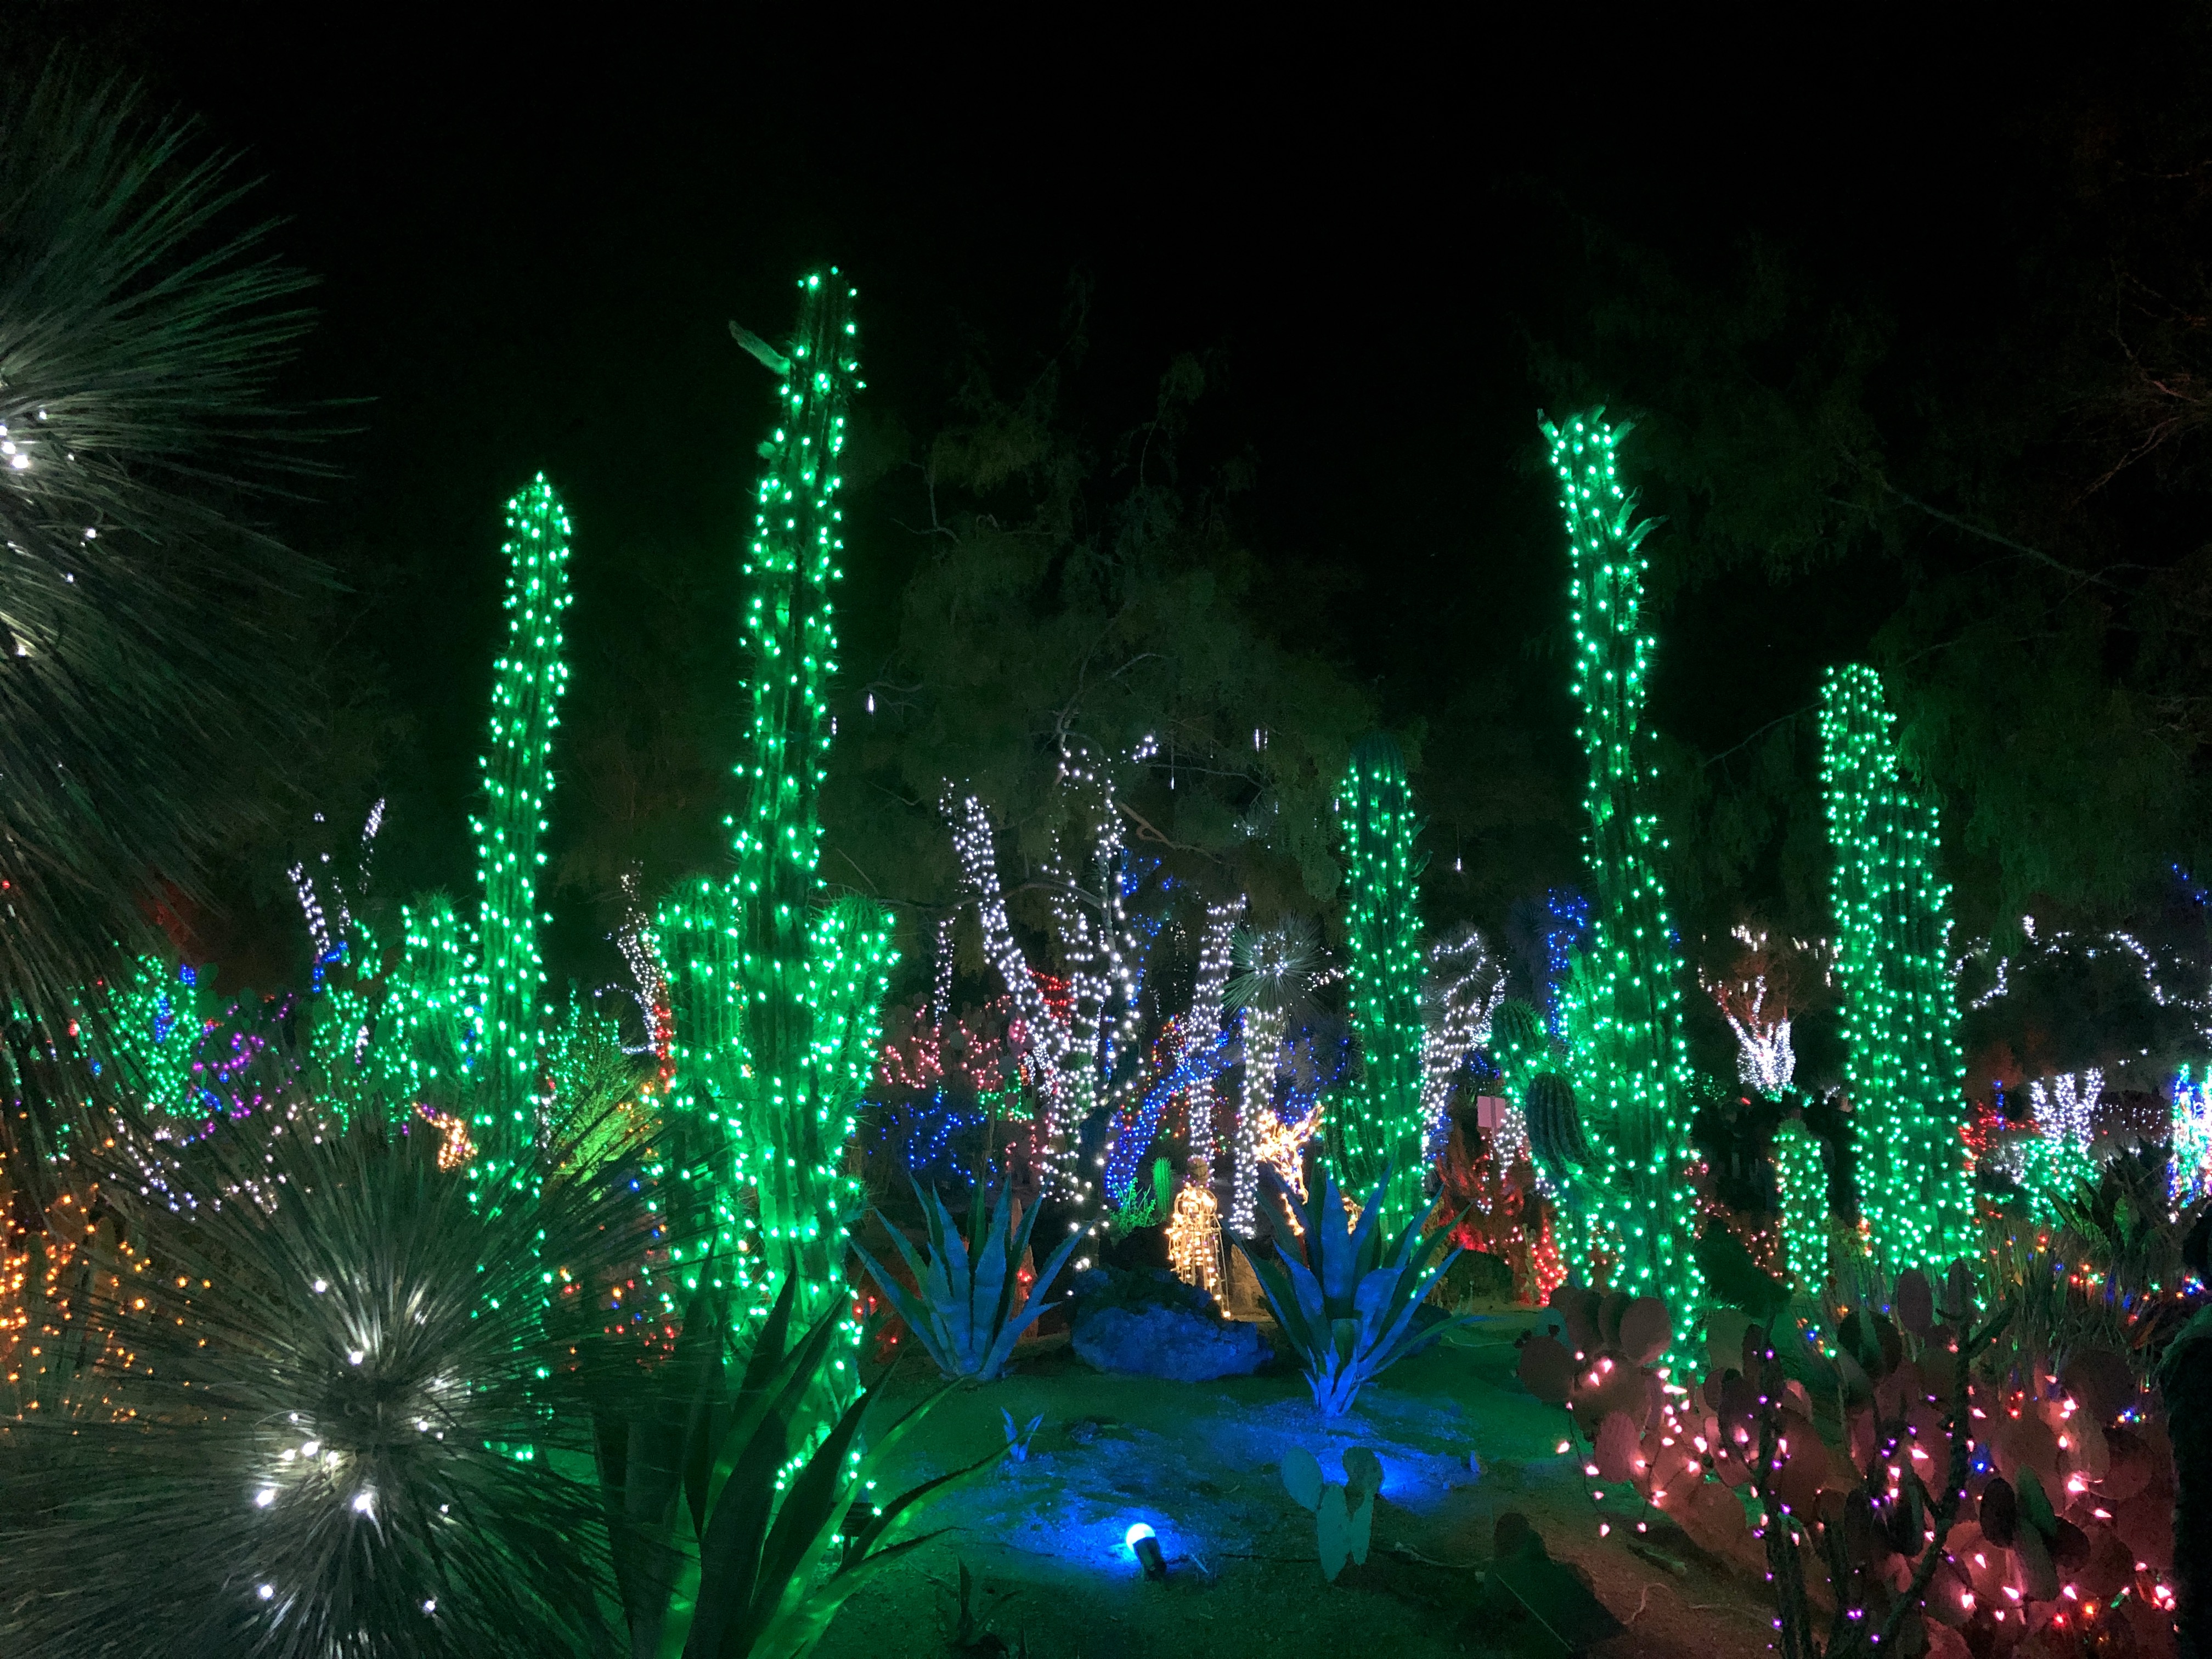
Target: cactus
point(1555, 1126)
point(1343, 1511)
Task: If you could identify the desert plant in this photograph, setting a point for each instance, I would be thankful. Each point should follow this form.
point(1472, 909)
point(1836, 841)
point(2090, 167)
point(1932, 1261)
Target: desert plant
point(1145, 1204)
point(1343, 1511)
point(968, 1309)
point(736, 1546)
point(143, 325)
point(329, 1403)
point(1348, 1299)
point(1890, 1481)
point(1018, 1435)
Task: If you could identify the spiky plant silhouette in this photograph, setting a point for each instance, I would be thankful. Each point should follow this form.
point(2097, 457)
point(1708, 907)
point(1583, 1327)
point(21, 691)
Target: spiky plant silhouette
point(341, 1409)
point(140, 330)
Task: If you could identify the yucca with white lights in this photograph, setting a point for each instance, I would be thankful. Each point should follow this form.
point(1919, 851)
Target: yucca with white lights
point(336, 1383)
point(1635, 1206)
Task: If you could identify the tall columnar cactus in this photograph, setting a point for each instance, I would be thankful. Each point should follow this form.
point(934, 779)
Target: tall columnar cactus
point(1379, 1128)
point(1903, 1070)
point(1635, 1204)
point(776, 994)
point(528, 680)
point(463, 1021)
point(1802, 1177)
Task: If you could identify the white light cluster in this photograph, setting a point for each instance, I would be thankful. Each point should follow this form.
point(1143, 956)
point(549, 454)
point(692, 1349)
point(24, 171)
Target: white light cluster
point(2063, 1106)
point(1101, 945)
point(1464, 987)
point(1205, 1018)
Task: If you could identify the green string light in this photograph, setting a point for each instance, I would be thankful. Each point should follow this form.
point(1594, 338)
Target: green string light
point(1379, 1122)
point(1802, 1178)
point(1903, 1071)
point(527, 684)
point(1636, 1209)
point(776, 996)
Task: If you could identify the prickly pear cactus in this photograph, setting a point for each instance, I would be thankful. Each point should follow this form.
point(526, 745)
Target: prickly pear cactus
point(1344, 1512)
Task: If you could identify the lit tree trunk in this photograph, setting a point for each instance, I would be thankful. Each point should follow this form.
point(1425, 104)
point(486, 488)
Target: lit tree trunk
point(1902, 1071)
point(1380, 1125)
point(1631, 1074)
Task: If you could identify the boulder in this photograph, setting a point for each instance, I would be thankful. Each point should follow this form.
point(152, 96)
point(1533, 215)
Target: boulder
point(1146, 1323)
point(1180, 1344)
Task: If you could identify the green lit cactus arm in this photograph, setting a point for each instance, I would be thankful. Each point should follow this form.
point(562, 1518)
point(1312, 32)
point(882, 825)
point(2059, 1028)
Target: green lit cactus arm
point(774, 999)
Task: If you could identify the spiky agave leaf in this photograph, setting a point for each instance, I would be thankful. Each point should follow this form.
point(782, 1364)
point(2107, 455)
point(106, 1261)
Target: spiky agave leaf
point(139, 618)
point(341, 1415)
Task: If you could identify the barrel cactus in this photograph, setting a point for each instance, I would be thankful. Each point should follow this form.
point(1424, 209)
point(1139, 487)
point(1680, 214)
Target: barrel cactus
point(1555, 1124)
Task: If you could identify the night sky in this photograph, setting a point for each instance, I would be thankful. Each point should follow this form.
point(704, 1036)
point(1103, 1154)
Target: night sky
point(529, 239)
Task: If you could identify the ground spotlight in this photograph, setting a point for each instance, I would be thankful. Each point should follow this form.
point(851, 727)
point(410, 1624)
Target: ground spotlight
point(1146, 1545)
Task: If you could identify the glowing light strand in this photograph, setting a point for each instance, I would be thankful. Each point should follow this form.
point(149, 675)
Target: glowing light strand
point(1637, 1213)
point(1904, 1072)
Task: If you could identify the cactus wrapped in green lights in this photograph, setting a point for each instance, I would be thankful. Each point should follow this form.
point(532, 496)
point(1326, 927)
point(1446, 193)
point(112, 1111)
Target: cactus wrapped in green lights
point(775, 994)
point(1634, 1204)
point(528, 683)
point(1379, 1128)
point(1903, 1070)
point(1801, 1177)
point(464, 1020)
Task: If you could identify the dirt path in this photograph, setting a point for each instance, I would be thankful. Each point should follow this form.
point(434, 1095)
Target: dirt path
point(1200, 1462)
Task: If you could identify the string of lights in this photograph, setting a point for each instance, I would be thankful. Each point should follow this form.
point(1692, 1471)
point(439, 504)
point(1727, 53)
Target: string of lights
point(1638, 1211)
point(528, 680)
point(1464, 987)
point(776, 996)
point(1904, 1072)
point(1381, 1126)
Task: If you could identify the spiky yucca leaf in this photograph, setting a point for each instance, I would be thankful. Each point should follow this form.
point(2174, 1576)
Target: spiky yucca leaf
point(140, 618)
point(758, 1560)
point(336, 1418)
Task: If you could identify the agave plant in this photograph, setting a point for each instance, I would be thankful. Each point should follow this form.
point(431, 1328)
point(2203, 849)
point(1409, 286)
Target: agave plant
point(964, 1310)
point(1347, 1298)
point(726, 1556)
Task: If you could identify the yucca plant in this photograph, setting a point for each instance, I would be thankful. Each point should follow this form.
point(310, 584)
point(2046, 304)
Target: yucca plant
point(330, 1405)
point(966, 1310)
point(142, 618)
point(1346, 1296)
point(723, 1556)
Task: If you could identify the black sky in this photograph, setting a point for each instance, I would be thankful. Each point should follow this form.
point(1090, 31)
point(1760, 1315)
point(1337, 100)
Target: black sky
point(530, 237)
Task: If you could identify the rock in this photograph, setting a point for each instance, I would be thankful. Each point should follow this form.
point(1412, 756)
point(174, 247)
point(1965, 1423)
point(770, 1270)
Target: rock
point(1185, 1345)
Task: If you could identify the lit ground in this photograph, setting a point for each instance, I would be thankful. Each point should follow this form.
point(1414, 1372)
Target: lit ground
point(1200, 1462)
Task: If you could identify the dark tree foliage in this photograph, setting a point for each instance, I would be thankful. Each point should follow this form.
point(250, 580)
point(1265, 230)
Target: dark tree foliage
point(1991, 480)
point(143, 658)
point(1072, 600)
